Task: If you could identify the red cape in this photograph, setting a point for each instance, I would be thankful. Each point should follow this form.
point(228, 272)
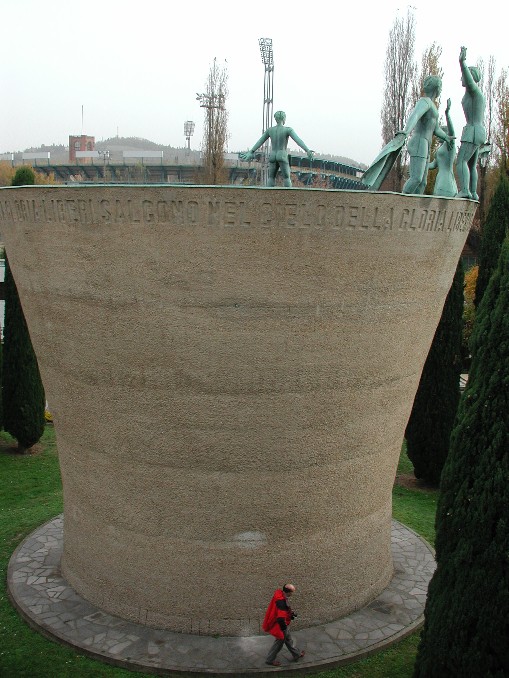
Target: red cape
point(270, 624)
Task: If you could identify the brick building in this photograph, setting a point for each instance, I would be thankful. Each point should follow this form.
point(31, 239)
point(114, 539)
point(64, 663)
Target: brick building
point(80, 143)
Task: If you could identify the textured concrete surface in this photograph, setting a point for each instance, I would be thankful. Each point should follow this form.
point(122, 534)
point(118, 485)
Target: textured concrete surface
point(50, 605)
point(230, 372)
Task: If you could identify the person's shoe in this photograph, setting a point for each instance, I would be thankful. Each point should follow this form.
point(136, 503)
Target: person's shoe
point(296, 659)
point(274, 663)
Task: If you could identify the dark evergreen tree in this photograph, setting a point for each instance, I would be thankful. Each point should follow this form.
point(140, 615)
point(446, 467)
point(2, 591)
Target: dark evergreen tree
point(23, 392)
point(466, 630)
point(493, 234)
point(436, 401)
point(24, 176)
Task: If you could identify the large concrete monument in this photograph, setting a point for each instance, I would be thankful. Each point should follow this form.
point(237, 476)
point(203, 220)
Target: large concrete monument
point(230, 371)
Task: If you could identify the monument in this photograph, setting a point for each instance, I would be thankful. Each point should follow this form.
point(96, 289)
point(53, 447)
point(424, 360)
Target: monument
point(230, 372)
point(422, 124)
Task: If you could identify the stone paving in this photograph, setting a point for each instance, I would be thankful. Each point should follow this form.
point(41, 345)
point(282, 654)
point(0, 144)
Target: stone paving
point(50, 605)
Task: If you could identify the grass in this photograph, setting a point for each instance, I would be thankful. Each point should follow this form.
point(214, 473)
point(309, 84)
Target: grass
point(30, 494)
point(415, 508)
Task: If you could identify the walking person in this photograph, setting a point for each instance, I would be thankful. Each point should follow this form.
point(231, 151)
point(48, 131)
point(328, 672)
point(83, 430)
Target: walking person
point(277, 620)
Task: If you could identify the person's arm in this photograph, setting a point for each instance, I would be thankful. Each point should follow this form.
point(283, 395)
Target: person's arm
point(439, 132)
point(433, 164)
point(300, 143)
point(470, 84)
point(450, 127)
point(249, 155)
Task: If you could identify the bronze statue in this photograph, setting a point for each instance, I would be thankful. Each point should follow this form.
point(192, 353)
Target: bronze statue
point(278, 158)
point(474, 132)
point(445, 183)
point(422, 124)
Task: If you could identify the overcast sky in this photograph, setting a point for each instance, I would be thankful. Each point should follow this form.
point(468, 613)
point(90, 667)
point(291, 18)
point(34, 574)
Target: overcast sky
point(136, 67)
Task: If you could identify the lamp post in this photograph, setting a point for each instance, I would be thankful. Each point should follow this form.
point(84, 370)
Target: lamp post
point(188, 133)
point(268, 98)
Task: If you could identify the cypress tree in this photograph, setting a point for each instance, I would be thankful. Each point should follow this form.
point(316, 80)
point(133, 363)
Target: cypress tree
point(23, 393)
point(466, 630)
point(436, 401)
point(494, 232)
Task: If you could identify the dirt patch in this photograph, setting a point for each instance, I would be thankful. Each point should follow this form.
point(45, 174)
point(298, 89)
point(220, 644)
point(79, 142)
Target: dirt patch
point(409, 481)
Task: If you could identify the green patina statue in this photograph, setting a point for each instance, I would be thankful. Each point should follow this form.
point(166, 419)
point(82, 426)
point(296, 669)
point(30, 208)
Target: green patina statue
point(423, 120)
point(422, 124)
point(445, 183)
point(278, 158)
point(474, 132)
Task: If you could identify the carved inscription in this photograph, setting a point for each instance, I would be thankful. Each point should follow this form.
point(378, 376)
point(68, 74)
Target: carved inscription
point(297, 215)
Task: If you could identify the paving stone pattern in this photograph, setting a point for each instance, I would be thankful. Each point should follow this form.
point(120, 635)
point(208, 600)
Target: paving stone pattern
point(49, 604)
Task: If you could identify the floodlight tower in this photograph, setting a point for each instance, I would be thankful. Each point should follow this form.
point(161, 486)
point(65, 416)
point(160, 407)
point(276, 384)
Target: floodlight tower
point(268, 97)
point(188, 133)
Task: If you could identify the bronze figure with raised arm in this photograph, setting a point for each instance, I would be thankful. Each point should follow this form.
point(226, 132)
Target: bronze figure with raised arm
point(278, 158)
point(474, 132)
point(445, 183)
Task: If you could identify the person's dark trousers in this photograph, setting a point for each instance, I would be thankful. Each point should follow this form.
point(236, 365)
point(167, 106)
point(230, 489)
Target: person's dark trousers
point(278, 644)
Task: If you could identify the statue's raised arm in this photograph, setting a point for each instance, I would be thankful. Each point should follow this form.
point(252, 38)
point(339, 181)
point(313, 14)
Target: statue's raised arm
point(467, 78)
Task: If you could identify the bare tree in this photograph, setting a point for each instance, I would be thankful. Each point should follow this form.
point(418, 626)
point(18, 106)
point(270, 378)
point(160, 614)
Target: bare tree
point(488, 86)
point(215, 136)
point(400, 74)
point(501, 131)
point(430, 65)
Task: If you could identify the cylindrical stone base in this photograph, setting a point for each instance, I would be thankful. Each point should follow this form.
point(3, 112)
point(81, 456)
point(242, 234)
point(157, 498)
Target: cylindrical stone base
point(230, 372)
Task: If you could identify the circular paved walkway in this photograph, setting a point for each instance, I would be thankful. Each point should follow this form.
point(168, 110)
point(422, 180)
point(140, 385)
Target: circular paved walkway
point(50, 605)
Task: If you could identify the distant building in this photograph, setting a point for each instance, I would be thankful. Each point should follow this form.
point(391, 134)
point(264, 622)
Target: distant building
point(80, 143)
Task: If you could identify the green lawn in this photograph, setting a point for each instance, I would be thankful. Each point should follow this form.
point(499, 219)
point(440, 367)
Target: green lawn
point(30, 494)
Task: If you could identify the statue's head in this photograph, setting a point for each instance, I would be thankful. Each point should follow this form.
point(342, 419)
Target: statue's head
point(280, 116)
point(432, 86)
